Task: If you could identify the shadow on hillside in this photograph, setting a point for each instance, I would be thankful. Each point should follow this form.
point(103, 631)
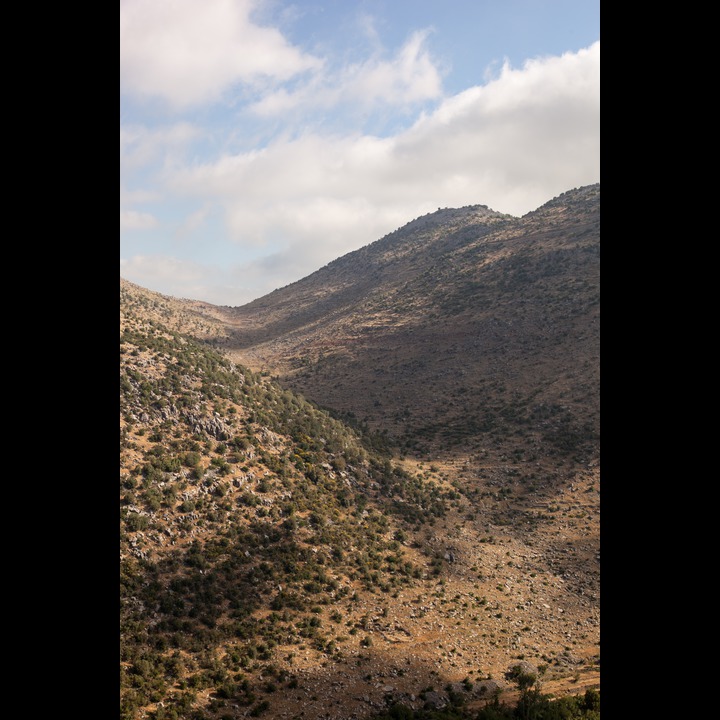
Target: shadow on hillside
point(364, 684)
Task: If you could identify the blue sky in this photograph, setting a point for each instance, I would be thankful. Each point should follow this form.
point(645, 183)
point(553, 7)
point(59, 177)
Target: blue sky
point(261, 139)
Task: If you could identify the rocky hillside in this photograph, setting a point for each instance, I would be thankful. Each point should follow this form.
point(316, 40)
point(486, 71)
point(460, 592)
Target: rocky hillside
point(277, 561)
point(464, 329)
point(249, 521)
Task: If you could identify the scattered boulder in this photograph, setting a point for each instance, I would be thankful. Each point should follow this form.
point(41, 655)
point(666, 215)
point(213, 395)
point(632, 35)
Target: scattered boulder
point(487, 688)
point(434, 700)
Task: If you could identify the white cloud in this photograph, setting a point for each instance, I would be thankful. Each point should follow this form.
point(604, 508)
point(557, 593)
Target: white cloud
point(133, 220)
point(132, 197)
point(187, 52)
point(141, 146)
point(528, 134)
point(194, 220)
point(514, 142)
point(162, 149)
point(409, 77)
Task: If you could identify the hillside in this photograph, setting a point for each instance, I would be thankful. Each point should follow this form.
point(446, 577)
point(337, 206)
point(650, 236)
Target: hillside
point(248, 520)
point(436, 524)
point(462, 330)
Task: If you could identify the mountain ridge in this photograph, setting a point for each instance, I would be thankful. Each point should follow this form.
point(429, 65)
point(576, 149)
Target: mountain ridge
point(477, 300)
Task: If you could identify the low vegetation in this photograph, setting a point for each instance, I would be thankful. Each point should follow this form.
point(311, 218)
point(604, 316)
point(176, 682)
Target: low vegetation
point(406, 546)
point(250, 520)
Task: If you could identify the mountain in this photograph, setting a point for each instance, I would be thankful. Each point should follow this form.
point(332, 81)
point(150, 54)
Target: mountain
point(377, 485)
point(462, 328)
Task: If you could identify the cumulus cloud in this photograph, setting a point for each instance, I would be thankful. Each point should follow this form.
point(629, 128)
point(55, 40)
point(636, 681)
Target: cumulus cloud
point(314, 194)
point(187, 52)
point(515, 142)
point(512, 144)
point(409, 77)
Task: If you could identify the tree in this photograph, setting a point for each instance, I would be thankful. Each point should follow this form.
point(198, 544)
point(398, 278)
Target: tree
point(525, 677)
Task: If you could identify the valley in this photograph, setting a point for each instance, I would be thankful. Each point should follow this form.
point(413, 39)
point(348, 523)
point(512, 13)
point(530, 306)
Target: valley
point(377, 486)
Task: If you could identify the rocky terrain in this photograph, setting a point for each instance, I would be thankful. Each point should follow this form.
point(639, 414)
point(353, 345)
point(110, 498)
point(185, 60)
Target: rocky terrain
point(453, 331)
point(378, 485)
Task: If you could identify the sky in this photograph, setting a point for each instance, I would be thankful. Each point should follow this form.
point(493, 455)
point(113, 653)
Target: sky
point(262, 139)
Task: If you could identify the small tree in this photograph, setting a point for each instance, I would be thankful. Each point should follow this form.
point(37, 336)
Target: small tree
point(525, 677)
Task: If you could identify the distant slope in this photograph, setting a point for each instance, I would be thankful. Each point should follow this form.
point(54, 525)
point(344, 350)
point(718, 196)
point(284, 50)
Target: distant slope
point(464, 327)
point(191, 317)
point(375, 270)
